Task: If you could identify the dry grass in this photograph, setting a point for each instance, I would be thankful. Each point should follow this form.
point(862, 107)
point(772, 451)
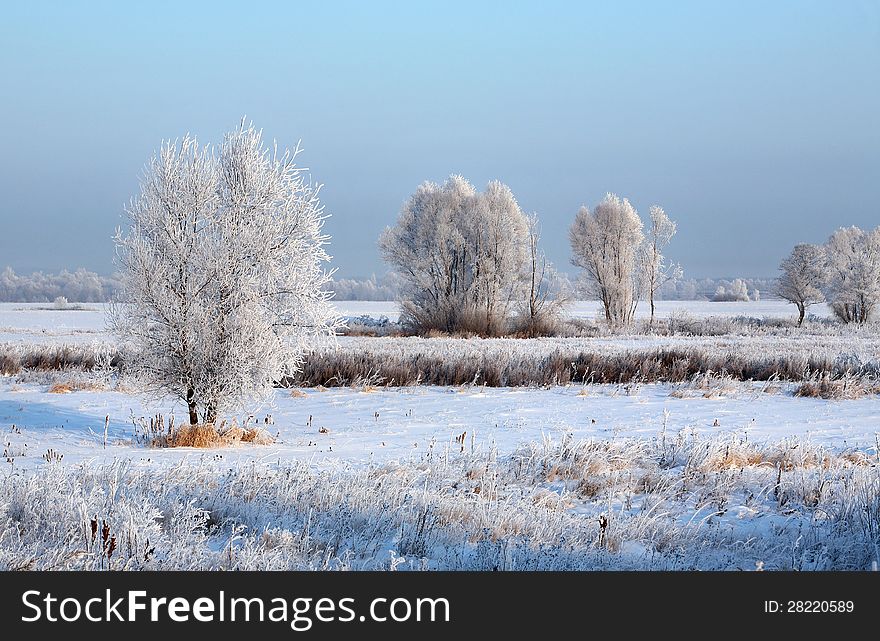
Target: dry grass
point(257, 436)
point(157, 432)
point(206, 435)
point(202, 435)
point(679, 504)
point(845, 386)
point(707, 385)
point(734, 456)
point(75, 386)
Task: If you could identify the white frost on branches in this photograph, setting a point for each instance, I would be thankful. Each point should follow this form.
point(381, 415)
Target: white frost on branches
point(853, 273)
point(607, 243)
point(223, 279)
point(658, 272)
point(460, 254)
point(803, 276)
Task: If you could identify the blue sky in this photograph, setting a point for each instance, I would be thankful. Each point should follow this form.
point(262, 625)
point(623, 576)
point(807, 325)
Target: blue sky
point(754, 124)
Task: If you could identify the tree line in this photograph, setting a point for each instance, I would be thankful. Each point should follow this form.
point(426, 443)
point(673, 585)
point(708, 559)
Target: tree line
point(845, 272)
point(224, 279)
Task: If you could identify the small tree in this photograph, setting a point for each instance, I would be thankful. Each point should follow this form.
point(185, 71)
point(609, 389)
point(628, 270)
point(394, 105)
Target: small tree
point(546, 293)
point(222, 278)
point(803, 277)
point(657, 271)
point(606, 244)
point(853, 263)
point(461, 256)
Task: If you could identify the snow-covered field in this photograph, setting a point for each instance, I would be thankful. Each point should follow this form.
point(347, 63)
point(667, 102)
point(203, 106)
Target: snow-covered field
point(589, 309)
point(385, 424)
point(648, 476)
point(36, 322)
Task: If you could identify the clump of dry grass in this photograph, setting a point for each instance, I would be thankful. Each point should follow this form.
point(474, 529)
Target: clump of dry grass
point(706, 385)
point(257, 436)
point(202, 435)
point(206, 435)
point(70, 386)
point(156, 432)
point(845, 386)
point(733, 455)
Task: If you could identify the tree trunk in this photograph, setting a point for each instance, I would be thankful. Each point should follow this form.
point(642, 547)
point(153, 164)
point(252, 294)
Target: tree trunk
point(191, 404)
point(651, 323)
point(801, 311)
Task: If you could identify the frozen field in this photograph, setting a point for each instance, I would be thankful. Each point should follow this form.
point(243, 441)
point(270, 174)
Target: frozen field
point(386, 424)
point(592, 309)
point(35, 322)
point(724, 474)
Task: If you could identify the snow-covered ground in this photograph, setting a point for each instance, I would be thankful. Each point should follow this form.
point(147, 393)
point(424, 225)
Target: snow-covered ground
point(384, 424)
point(37, 322)
point(739, 476)
point(611, 477)
point(589, 309)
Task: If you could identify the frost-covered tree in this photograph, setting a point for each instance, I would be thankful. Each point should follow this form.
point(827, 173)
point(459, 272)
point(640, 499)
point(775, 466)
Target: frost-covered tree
point(853, 263)
point(803, 277)
point(546, 291)
point(735, 292)
point(460, 255)
point(606, 243)
point(222, 272)
point(739, 291)
point(658, 272)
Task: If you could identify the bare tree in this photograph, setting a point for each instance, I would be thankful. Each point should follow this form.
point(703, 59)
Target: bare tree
point(657, 271)
point(606, 244)
point(222, 277)
point(803, 277)
point(460, 255)
point(547, 294)
point(853, 262)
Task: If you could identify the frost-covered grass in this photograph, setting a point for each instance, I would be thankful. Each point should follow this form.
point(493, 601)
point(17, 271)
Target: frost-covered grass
point(822, 349)
point(673, 502)
point(559, 361)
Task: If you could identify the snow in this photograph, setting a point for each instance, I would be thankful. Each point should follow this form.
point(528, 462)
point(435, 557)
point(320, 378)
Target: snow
point(589, 309)
point(512, 478)
point(391, 423)
point(394, 423)
point(33, 322)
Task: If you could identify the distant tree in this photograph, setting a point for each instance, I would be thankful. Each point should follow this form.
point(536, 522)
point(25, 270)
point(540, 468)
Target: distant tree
point(803, 277)
point(460, 255)
point(222, 278)
point(853, 263)
point(80, 286)
point(737, 291)
point(546, 293)
point(368, 289)
point(658, 272)
point(606, 243)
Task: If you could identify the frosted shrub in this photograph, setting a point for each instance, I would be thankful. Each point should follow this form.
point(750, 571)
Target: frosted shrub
point(461, 256)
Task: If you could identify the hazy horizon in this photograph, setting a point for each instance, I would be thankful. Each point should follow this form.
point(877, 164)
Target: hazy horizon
point(753, 125)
